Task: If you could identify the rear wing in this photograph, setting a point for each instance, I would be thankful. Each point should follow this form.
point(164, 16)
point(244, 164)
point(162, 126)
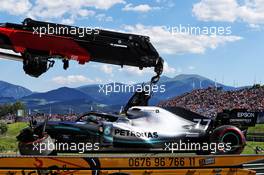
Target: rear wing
point(242, 118)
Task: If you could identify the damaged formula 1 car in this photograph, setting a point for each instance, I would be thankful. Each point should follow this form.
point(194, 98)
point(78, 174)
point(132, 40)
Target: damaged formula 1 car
point(143, 129)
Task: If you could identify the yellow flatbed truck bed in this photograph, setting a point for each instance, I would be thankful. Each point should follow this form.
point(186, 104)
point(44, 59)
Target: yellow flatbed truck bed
point(134, 165)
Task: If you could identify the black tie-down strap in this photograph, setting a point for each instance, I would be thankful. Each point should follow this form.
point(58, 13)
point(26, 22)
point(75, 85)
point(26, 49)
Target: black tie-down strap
point(142, 98)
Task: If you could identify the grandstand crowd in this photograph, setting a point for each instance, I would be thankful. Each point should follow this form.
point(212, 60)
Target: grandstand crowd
point(40, 118)
point(210, 101)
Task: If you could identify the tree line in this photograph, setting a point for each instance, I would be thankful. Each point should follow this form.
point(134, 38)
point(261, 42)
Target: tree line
point(11, 109)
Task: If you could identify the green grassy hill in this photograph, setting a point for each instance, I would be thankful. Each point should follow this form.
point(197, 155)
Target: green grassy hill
point(257, 128)
point(8, 141)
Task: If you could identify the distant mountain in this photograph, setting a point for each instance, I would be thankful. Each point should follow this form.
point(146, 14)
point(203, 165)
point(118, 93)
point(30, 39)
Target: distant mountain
point(63, 107)
point(111, 98)
point(13, 91)
point(164, 79)
point(173, 87)
point(4, 100)
point(184, 77)
point(58, 97)
point(84, 98)
point(61, 94)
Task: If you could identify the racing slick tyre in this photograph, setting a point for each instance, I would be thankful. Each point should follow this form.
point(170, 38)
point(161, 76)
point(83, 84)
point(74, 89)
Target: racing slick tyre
point(43, 146)
point(231, 137)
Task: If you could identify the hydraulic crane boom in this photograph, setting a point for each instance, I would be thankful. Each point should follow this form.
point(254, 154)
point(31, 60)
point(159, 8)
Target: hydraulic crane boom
point(39, 43)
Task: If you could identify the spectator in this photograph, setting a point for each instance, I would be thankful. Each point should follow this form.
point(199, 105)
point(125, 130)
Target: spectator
point(210, 101)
